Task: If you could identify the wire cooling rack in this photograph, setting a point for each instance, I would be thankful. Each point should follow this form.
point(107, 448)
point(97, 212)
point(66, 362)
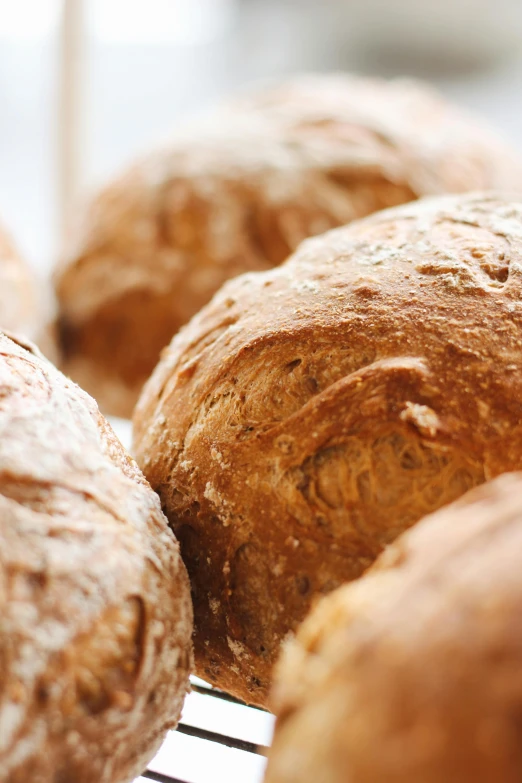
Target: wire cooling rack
point(218, 739)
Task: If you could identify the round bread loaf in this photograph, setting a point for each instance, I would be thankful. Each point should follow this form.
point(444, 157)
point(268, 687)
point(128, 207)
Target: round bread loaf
point(238, 192)
point(311, 413)
point(95, 611)
point(19, 309)
point(413, 673)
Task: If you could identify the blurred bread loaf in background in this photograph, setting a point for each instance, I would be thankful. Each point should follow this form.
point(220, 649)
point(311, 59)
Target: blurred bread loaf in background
point(309, 414)
point(412, 673)
point(24, 305)
point(96, 618)
point(238, 192)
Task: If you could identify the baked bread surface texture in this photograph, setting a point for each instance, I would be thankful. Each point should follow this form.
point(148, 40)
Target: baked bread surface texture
point(413, 673)
point(309, 414)
point(238, 192)
point(95, 611)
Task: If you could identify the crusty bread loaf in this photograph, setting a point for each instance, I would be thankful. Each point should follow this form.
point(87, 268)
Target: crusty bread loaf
point(95, 612)
point(311, 413)
point(25, 304)
point(19, 309)
point(239, 192)
point(413, 673)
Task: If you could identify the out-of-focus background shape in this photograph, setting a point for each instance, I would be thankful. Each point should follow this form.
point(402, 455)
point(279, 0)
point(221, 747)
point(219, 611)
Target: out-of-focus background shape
point(147, 63)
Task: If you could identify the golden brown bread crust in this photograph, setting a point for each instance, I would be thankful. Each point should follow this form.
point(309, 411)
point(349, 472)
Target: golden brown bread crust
point(238, 194)
point(311, 413)
point(413, 673)
point(95, 611)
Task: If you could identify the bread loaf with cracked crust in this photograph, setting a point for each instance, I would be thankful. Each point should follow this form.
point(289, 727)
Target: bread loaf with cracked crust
point(238, 192)
point(309, 414)
point(95, 611)
point(413, 673)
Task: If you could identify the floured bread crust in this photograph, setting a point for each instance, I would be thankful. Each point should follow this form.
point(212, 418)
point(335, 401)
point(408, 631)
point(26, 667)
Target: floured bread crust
point(95, 611)
point(412, 673)
point(238, 192)
point(309, 414)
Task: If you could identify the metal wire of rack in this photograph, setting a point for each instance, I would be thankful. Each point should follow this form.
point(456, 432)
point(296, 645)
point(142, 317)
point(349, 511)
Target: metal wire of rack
point(218, 738)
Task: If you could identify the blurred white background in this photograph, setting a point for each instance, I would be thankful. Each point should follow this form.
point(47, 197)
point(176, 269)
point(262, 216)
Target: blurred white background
point(148, 62)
